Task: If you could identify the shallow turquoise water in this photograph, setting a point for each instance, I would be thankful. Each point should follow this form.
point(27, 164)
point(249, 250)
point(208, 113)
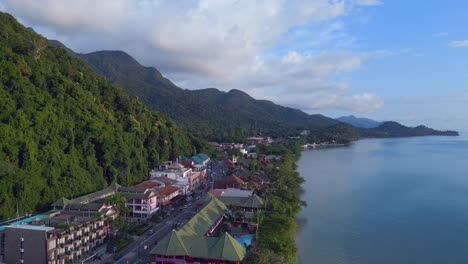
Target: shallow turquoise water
point(386, 201)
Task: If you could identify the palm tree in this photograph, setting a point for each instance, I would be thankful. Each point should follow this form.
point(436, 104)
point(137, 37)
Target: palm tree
point(119, 201)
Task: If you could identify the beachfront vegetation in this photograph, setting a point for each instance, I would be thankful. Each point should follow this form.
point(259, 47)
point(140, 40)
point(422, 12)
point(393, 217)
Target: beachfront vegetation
point(277, 221)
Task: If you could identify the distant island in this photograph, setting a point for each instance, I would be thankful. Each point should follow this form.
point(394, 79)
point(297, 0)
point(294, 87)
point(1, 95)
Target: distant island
point(372, 128)
point(394, 129)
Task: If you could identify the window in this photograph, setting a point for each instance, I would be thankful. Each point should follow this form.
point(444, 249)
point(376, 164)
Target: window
point(52, 244)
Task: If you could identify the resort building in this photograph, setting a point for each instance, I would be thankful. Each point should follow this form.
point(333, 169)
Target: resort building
point(55, 238)
point(195, 241)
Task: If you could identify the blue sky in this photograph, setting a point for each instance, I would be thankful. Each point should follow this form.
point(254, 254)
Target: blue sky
point(425, 81)
point(387, 60)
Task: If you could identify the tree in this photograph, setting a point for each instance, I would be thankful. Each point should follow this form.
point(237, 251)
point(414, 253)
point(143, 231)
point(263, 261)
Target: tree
point(119, 201)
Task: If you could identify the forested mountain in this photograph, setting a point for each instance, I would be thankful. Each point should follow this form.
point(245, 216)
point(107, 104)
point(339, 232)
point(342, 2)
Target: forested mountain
point(65, 131)
point(210, 113)
point(394, 129)
point(359, 121)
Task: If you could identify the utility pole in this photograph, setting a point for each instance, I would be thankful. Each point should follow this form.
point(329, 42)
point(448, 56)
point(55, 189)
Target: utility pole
point(17, 212)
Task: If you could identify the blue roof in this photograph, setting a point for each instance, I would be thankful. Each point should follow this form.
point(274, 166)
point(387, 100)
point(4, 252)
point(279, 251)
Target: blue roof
point(197, 160)
point(203, 156)
point(200, 158)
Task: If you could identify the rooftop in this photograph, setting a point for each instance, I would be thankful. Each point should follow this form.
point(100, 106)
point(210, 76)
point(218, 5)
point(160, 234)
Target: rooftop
point(24, 221)
point(165, 180)
point(31, 227)
point(211, 210)
point(232, 192)
point(190, 239)
point(253, 201)
point(216, 248)
point(149, 184)
point(168, 190)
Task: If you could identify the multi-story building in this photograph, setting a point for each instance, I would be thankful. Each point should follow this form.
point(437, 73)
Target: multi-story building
point(56, 239)
point(141, 201)
point(175, 171)
point(166, 194)
point(28, 244)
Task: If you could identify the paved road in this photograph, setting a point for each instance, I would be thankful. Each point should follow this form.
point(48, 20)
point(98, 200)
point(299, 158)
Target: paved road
point(131, 253)
point(217, 172)
point(137, 248)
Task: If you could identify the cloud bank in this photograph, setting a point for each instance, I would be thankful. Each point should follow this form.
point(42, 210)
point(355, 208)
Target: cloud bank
point(458, 43)
point(290, 52)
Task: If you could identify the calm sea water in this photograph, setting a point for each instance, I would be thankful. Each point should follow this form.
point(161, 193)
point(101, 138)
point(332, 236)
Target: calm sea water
point(382, 201)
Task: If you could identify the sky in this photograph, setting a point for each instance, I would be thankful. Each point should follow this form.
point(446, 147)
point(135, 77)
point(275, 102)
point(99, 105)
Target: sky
point(389, 60)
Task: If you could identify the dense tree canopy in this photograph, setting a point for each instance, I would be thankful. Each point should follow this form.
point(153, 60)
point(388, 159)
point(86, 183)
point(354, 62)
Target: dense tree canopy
point(277, 221)
point(65, 131)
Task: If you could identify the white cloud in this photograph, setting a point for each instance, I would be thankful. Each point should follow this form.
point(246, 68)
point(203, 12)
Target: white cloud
point(440, 34)
point(458, 43)
point(368, 2)
point(212, 43)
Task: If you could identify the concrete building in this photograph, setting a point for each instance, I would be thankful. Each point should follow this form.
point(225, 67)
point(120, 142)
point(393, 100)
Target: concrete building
point(141, 201)
point(55, 239)
point(29, 244)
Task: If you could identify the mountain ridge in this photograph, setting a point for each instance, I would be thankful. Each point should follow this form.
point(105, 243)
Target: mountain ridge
point(231, 115)
point(360, 122)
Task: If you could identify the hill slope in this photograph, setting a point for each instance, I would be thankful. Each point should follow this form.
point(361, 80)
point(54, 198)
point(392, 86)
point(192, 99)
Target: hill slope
point(65, 131)
point(359, 121)
point(210, 113)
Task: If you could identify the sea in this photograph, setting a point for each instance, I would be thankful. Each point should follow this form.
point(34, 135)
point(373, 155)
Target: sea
point(385, 201)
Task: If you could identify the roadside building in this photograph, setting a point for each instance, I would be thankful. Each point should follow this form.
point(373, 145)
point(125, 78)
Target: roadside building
point(153, 185)
point(141, 201)
point(166, 194)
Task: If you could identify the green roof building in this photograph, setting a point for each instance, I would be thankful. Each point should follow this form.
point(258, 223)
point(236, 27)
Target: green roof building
point(193, 243)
